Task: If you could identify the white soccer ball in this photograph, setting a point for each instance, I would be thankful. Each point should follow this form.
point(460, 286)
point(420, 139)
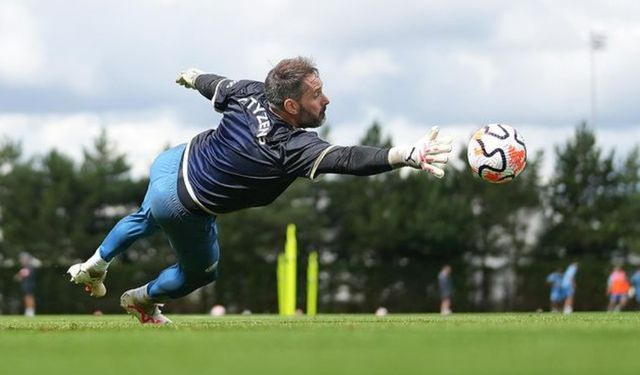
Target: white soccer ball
point(497, 153)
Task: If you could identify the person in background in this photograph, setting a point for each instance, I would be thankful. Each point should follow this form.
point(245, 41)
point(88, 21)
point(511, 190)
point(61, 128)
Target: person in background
point(618, 289)
point(569, 287)
point(446, 289)
point(26, 278)
point(555, 298)
point(635, 284)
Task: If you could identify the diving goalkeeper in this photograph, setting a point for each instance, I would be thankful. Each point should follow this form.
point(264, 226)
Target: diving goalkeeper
point(259, 148)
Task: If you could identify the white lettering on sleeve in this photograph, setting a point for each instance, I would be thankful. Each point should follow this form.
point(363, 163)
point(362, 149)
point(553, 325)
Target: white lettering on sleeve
point(260, 114)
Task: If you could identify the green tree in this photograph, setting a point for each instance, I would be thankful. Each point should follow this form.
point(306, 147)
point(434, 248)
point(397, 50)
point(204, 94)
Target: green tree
point(497, 226)
point(106, 192)
point(14, 175)
point(626, 214)
point(584, 187)
point(590, 215)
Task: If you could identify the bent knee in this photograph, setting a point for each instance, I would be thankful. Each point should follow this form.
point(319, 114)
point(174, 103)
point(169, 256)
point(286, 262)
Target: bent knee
point(200, 279)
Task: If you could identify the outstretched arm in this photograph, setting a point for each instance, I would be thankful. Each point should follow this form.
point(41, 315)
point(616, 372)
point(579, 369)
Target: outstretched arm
point(205, 83)
point(354, 160)
point(430, 154)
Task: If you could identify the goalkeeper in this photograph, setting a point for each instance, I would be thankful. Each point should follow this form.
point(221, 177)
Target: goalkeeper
point(259, 148)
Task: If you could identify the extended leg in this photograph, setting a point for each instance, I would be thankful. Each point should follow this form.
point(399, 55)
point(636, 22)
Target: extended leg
point(193, 238)
point(92, 272)
point(129, 229)
point(195, 242)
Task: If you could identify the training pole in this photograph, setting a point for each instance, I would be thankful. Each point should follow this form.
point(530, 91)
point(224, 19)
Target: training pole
point(291, 255)
point(281, 283)
point(312, 284)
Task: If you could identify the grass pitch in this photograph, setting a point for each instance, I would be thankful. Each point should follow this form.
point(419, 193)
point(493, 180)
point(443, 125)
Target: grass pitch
point(582, 343)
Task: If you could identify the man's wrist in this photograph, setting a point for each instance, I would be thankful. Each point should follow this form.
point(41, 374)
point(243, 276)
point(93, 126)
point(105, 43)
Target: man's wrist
point(396, 157)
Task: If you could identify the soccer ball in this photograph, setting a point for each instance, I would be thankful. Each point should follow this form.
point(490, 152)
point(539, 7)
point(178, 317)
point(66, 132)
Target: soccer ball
point(497, 153)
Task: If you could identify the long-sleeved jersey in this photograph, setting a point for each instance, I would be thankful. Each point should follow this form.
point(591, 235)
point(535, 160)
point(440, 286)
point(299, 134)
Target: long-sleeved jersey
point(254, 155)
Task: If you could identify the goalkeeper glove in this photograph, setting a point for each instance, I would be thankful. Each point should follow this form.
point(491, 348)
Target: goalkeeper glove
point(430, 154)
point(187, 78)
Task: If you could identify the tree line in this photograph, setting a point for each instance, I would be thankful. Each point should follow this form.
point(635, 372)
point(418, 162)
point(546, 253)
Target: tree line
point(381, 239)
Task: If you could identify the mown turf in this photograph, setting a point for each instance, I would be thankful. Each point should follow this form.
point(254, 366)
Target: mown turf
point(582, 343)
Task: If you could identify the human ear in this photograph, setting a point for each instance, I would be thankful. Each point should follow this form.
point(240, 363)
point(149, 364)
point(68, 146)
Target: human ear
point(291, 106)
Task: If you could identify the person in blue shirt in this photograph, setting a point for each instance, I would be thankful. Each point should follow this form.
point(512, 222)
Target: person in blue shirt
point(556, 297)
point(635, 284)
point(260, 147)
point(569, 287)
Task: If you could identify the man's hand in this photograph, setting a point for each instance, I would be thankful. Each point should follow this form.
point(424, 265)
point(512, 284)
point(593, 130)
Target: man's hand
point(187, 78)
point(430, 154)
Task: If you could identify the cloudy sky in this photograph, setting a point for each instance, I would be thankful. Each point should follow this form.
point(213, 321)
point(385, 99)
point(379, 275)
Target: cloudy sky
point(68, 69)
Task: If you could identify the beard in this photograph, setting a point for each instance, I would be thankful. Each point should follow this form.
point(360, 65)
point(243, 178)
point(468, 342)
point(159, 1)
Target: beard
point(309, 120)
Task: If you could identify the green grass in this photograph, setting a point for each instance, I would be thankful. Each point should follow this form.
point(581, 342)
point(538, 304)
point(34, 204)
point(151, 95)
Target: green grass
point(582, 343)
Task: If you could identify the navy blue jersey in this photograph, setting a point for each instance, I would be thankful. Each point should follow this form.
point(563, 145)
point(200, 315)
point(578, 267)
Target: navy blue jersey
point(251, 157)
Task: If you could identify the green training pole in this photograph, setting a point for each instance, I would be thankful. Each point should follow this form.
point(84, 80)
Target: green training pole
point(312, 284)
point(281, 281)
point(291, 250)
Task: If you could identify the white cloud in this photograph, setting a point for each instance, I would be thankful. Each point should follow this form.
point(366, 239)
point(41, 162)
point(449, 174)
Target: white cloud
point(139, 137)
point(28, 59)
point(360, 69)
point(482, 67)
point(454, 63)
point(22, 53)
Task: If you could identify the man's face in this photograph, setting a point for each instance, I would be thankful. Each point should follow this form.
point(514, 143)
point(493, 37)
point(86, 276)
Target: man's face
point(313, 103)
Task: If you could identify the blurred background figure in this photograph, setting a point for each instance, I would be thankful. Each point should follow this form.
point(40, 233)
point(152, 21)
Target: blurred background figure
point(569, 287)
point(26, 278)
point(382, 311)
point(618, 289)
point(218, 310)
point(446, 289)
point(635, 285)
point(556, 297)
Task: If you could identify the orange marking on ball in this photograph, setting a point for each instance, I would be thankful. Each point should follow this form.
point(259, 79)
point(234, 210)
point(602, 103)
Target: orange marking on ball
point(492, 176)
point(517, 157)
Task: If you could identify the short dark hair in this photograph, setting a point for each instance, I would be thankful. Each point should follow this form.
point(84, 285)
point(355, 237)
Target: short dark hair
point(286, 79)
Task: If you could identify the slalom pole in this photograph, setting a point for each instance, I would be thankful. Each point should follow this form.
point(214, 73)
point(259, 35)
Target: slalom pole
point(281, 283)
point(291, 252)
point(312, 284)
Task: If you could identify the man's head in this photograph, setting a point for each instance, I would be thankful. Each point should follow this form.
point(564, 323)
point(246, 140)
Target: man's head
point(25, 258)
point(293, 87)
